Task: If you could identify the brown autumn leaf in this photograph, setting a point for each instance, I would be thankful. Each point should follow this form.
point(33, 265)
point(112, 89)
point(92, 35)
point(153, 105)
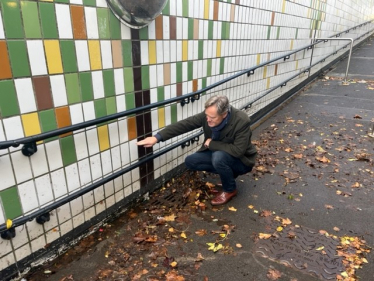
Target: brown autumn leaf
point(329, 206)
point(336, 229)
point(201, 232)
point(199, 257)
point(359, 125)
point(291, 234)
point(288, 149)
point(273, 274)
point(286, 221)
point(169, 218)
point(173, 276)
point(357, 116)
point(264, 235)
point(298, 156)
point(210, 185)
point(323, 159)
point(355, 185)
point(265, 213)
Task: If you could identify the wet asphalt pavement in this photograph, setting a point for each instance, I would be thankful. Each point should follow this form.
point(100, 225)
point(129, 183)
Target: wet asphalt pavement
point(315, 168)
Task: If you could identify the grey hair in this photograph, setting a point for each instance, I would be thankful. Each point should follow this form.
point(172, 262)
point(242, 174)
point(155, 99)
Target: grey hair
point(221, 102)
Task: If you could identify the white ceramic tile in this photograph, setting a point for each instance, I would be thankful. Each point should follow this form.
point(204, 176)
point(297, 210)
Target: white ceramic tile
point(58, 183)
point(54, 155)
point(6, 169)
point(98, 84)
point(39, 162)
point(22, 252)
point(7, 261)
point(185, 29)
point(110, 201)
point(44, 189)
point(160, 75)
point(179, 51)
point(58, 90)
point(2, 35)
point(78, 220)
point(89, 111)
point(52, 235)
point(88, 200)
point(173, 8)
point(91, 23)
point(123, 135)
point(63, 213)
point(191, 5)
point(166, 50)
point(101, 3)
point(153, 77)
point(21, 166)
point(25, 95)
point(179, 7)
point(116, 158)
point(125, 32)
point(95, 164)
point(80, 142)
point(76, 206)
point(28, 197)
point(38, 64)
point(76, 114)
point(66, 227)
point(118, 183)
point(72, 177)
point(179, 27)
point(38, 243)
point(2, 217)
point(106, 162)
point(119, 82)
point(125, 155)
point(99, 194)
point(113, 134)
point(190, 50)
point(133, 150)
point(173, 51)
point(166, 27)
point(63, 21)
point(128, 191)
point(89, 213)
point(79, 2)
point(83, 59)
point(84, 172)
point(173, 71)
point(144, 52)
point(120, 103)
point(159, 52)
point(152, 30)
point(106, 54)
point(92, 141)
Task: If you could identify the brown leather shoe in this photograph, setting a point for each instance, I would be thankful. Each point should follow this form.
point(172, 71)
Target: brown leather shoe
point(223, 197)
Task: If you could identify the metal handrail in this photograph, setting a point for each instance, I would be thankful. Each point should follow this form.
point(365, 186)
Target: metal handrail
point(35, 138)
point(45, 210)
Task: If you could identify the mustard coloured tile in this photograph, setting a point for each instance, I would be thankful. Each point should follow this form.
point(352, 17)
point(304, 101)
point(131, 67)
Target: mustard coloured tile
point(103, 134)
point(53, 55)
point(31, 124)
point(95, 54)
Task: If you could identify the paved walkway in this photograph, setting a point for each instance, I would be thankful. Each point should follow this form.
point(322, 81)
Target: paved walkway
point(312, 190)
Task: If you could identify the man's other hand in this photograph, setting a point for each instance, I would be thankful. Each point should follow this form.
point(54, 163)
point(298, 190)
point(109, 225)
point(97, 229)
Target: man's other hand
point(148, 142)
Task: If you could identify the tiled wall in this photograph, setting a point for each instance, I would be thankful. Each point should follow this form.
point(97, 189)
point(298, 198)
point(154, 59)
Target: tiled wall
point(63, 62)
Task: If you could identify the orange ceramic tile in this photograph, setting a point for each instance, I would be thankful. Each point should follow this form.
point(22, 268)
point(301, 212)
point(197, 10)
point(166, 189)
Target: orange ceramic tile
point(117, 53)
point(167, 80)
point(78, 22)
point(215, 10)
point(159, 28)
point(232, 14)
point(131, 127)
point(196, 29)
point(272, 18)
point(194, 85)
point(5, 70)
point(63, 118)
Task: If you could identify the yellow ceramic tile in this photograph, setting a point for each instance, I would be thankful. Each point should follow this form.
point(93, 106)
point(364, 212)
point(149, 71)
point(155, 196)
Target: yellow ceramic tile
point(185, 50)
point(308, 15)
point(53, 54)
point(206, 9)
point(152, 52)
point(291, 45)
point(258, 59)
point(218, 54)
point(161, 117)
point(265, 72)
point(268, 83)
point(31, 124)
point(95, 54)
point(284, 6)
point(103, 134)
point(297, 64)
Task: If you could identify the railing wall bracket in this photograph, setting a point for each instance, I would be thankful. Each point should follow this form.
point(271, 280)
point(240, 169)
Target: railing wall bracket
point(43, 218)
point(185, 101)
point(185, 144)
point(195, 97)
point(29, 149)
point(251, 72)
point(9, 233)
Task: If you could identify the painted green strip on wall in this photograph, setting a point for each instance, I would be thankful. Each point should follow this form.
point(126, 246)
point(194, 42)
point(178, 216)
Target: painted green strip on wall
point(111, 105)
point(72, 88)
point(127, 52)
point(11, 203)
point(228, 26)
point(19, 58)
point(297, 33)
point(173, 111)
point(108, 76)
point(48, 20)
point(8, 99)
point(30, 17)
point(103, 23)
point(64, 1)
point(69, 58)
point(47, 120)
point(85, 79)
point(223, 30)
point(129, 79)
point(179, 72)
point(68, 150)
point(203, 83)
point(100, 108)
point(130, 101)
point(12, 19)
point(269, 30)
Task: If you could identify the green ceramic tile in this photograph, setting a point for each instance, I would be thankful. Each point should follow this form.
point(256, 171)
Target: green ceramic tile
point(201, 49)
point(203, 83)
point(297, 33)
point(173, 112)
point(210, 30)
point(190, 28)
point(127, 52)
point(185, 8)
point(19, 58)
point(89, 3)
point(62, 1)
point(179, 72)
point(48, 20)
point(223, 30)
point(228, 25)
point(129, 79)
point(130, 101)
point(145, 77)
point(221, 65)
point(30, 17)
point(278, 32)
point(103, 23)
point(143, 33)
point(108, 76)
point(69, 58)
point(48, 120)
point(11, 203)
point(8, 99)
point(100, 108)
point(11, 12)
point(85, 80)
point(160, 94)
point(68, 150)
point(209, 68)
point(166, 10)
point(111, 105)
point(190, 71)
point(72, 88)
point(269, 32)
point(115, 26)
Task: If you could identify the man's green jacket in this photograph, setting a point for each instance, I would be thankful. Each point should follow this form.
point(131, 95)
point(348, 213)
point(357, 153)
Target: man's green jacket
point(235, 137)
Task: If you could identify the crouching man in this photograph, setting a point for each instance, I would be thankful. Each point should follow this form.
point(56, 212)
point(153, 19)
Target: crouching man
point(227, 149)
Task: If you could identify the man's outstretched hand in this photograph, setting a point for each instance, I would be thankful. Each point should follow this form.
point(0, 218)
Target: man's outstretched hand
point(148, 142)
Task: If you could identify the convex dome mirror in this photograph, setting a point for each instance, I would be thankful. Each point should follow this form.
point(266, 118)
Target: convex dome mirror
point(136, 13)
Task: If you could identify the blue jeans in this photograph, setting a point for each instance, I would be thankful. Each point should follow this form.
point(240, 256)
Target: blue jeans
point(218, 162)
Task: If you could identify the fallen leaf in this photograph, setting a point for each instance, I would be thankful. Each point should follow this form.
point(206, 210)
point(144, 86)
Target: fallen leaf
point(286, 221)
point(173, 264)
point(201, 232)
point(298, 156)
point(214, 247)
point(232, 209)
point(183, 235)
point(250, 206)
point(329, 206)
point(173, 276)
point(336, 229)
point(279, 228)
point(239, 245)
point(264, 235)
point(169, 218)
point(323, 159)
point(265, 213)
point(199, 257)
point(357, 116)
point(355, 185)
point(273, 274)
point(320, 248)
point(210, 185)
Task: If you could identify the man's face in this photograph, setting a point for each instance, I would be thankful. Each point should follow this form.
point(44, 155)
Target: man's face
point(212, 117)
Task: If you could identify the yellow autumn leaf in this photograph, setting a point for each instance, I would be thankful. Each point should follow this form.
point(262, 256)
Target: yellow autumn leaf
point(279, 228)
point(238, 245)
point(170, 218)
point(344, 274)
point(286, 221)
point(232, 209)
point(255, 211)
point(183, 235)
point(171, 229)
point(173, 264)
point(250, 206)
point(9, 223)
point(214, 247)
point(320, 248)
point(223, 235)
point(264, 235)
point(364, 260)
